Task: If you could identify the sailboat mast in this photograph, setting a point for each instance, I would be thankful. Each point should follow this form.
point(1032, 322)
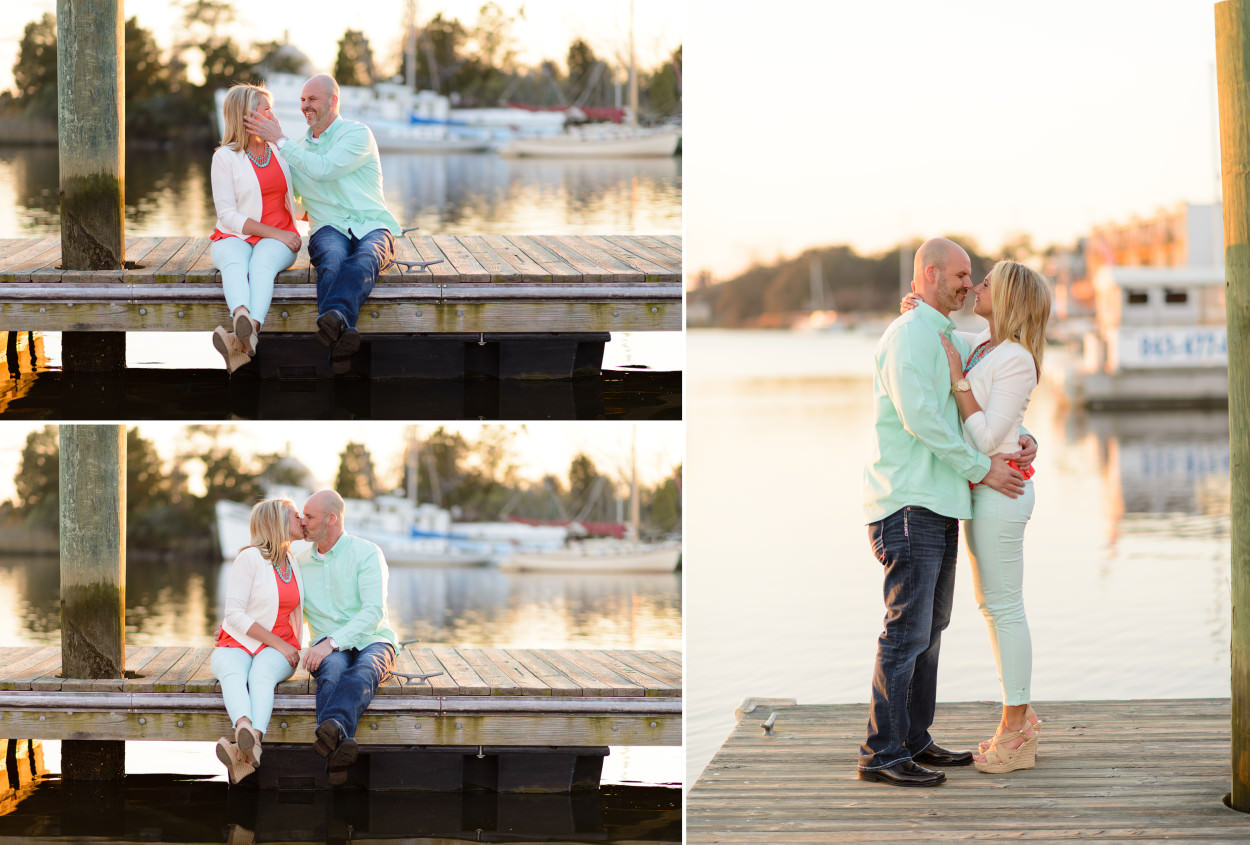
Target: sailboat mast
point(412, 464)
point(410, 50)
point(635, 508)
point(633, 70)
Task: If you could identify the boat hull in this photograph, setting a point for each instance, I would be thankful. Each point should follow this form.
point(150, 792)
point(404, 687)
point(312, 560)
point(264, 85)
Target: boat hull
point(660, 559)
point(642, 144)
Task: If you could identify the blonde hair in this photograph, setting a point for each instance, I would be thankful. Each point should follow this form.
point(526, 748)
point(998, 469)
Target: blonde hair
point(1021, 302)
point(241, 100)
point(270, 529)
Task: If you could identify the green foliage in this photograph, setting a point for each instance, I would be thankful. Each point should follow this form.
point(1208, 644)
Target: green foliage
point(474, 64)
point(356, 478)
point(38, 479)
point(663, 88)
point(354, 63)
point(663, 516)
point(34, 72)
point(764, 295)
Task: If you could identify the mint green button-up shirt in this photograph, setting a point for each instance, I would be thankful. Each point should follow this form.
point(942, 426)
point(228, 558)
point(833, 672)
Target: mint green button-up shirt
point(345, 593)
point(920, 456)
point(338, 179)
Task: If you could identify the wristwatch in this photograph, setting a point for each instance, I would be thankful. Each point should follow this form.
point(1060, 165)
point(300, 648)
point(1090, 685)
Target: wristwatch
point(333, 645)
point(961, 386)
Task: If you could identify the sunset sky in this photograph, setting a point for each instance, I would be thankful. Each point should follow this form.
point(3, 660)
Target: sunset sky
point(813, 124)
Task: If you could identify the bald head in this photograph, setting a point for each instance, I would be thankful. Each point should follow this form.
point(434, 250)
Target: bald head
point(323, 519)
point(942, 274)
point(319, 102)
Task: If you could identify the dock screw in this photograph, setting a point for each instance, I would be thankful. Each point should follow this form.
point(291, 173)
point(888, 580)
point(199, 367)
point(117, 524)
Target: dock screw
point(286, 314)
point(373, 726)
point(459, 313)
point(616, 313)
point(179, 723)
point(374, 314)
point(480, 753)
point(43, 310)
point(655, 310)
point(284, 726)
point(181, 314)
point(142, 312)
point(418, 313)
point(43, 718)
point(142, 721)
point(653, 724)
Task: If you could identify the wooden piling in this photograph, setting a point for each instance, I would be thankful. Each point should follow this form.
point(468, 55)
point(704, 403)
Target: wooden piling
point(90, 117)
point(1232, 51)
point(93, 577)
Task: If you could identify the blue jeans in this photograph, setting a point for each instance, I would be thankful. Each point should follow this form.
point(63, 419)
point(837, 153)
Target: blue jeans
point(918, 549)
point(248, 271)
point(347, 268)
point(347, 680)
point(247, 682)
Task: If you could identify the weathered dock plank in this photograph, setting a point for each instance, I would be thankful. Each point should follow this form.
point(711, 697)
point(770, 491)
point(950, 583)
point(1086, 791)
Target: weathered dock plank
point(488, 697)
point(1106, 770)
point(484, 283)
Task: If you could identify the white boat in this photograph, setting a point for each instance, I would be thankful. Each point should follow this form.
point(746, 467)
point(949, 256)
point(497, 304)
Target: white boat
point(1159, 339)
point(603, 554)
point(596, 141)
point(402, 120)
point(407, 534)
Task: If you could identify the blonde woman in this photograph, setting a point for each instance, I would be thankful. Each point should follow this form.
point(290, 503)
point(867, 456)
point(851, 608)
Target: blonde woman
point(255, 238)
point(258, 644)
point(992, 389)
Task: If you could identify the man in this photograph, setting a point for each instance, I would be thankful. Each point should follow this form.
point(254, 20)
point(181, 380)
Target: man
point(353, 647)
point(916, 491)
point(337, 176)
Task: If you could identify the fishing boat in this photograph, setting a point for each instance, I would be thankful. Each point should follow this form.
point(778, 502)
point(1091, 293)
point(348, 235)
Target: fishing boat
point(402, 120)
point(1159, 339)
point(408, 534)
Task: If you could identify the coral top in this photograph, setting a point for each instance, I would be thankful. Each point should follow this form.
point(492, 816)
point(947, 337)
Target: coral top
point(273, 191)
point(288, 600)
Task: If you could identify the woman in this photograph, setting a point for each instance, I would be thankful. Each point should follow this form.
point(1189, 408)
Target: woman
point(992, 390)
point(258, 644)
point(255, 238)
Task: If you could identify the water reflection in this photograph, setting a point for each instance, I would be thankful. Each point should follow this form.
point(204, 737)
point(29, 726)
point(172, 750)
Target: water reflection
point(171, 603)
point(162, 808)
point(168, 192)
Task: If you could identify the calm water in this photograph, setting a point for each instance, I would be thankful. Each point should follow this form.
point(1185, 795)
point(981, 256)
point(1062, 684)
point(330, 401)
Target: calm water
point(168, 194)
point(179, 604)
point(1127, 554)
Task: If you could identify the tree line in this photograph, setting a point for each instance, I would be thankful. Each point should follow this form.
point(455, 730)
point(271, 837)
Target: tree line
point(765, 296)
point(474, 64)
point(475, 481)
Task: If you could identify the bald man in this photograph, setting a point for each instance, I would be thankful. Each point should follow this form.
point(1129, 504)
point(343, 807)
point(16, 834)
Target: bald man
point(337, 176)
point(344, 579)
point(916, 491)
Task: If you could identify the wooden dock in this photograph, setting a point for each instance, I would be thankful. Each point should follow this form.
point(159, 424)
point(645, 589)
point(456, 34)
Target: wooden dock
point(483, 283)
point(1119, 771)
point(484, 697)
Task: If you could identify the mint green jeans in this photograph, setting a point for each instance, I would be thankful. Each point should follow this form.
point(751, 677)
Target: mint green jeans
point(995, 538)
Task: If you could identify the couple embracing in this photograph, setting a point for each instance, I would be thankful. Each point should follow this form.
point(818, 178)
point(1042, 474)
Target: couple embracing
point(337, 589)
point(950, 446)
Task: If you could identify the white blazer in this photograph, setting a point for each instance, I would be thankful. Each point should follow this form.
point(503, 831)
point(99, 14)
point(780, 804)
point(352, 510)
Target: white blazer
point(236, 190)
point(1001, 383)
point(252, 596)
